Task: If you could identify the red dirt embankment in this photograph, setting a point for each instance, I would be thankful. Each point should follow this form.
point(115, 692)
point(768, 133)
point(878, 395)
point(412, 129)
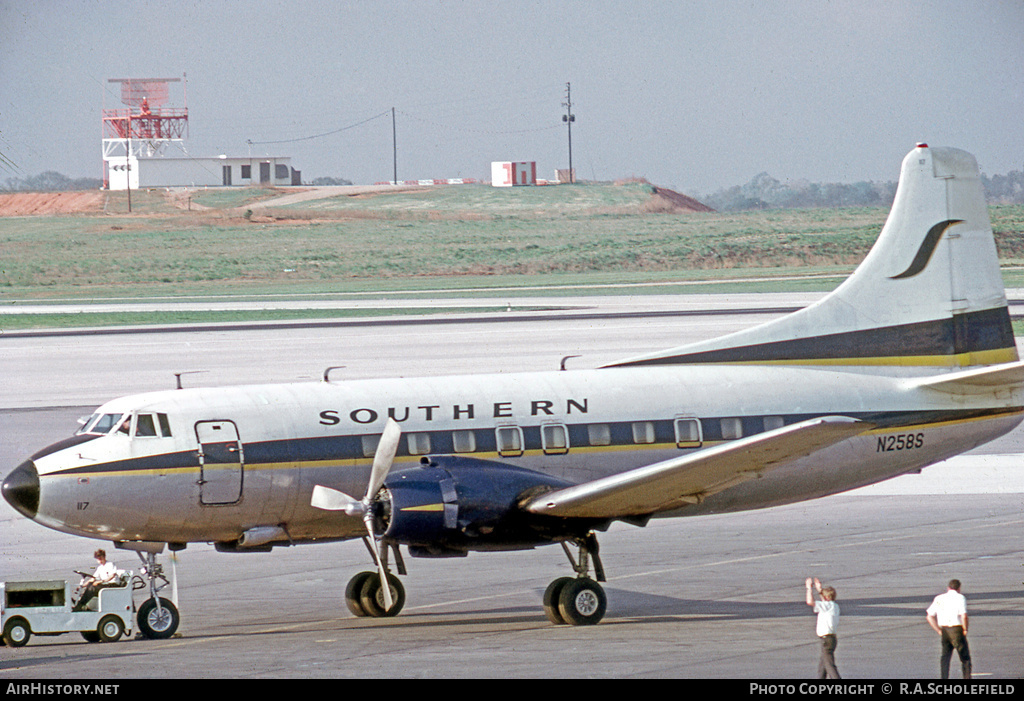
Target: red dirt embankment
point(20, 204)
point(665, 200)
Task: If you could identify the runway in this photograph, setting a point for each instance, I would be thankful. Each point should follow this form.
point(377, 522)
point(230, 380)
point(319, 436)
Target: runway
point(710, 597)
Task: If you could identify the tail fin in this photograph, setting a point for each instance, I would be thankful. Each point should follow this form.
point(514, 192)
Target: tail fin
point(928, 293)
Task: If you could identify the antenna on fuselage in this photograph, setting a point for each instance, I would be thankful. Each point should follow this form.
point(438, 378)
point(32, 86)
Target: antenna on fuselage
point(177, 376)
point(327, 372)
point(562, 364)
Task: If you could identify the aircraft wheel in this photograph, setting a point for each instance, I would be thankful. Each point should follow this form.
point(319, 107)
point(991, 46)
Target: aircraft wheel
point(17, 632)
point(551, 595)
point(110, 629)
point(372, 597)
point(157, 623)
point(582, 602)
point(354, 590)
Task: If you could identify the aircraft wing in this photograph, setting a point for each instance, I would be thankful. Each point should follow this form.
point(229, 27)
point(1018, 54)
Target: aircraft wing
point(977, 380)
point(690, 478)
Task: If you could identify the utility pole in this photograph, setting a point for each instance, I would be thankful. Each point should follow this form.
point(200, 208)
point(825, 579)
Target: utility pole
point(128, 162)
point(394, 146)
point(569, 118)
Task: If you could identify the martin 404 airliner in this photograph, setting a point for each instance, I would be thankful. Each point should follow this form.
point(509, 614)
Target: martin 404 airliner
point(908, 362)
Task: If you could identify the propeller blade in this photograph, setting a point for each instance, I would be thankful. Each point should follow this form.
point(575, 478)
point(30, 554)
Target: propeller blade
point(383, 457)
point(332, 500)
point(384, 585)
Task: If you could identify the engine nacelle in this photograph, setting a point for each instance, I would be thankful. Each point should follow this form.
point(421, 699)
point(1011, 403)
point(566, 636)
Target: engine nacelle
point(452, 505)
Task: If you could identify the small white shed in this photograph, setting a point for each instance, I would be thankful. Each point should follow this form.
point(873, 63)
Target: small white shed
point(509, 173)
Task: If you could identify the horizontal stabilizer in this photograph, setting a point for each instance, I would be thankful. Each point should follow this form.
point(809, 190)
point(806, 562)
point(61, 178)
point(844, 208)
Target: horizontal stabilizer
point(977, 380)
point(691, 478)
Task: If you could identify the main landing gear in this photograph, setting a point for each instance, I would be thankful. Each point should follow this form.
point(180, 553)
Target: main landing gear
point(579, 600)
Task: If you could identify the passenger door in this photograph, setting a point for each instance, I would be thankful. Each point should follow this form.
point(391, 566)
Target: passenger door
point(221, 462)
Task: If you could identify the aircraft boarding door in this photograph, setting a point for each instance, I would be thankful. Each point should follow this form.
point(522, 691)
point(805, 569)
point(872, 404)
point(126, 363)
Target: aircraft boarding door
point(220, 462)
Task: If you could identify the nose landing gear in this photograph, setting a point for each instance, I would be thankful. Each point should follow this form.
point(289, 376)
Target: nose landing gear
point(157, 616)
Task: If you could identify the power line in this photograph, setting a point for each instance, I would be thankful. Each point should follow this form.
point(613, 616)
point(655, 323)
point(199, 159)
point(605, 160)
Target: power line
point(327, 133)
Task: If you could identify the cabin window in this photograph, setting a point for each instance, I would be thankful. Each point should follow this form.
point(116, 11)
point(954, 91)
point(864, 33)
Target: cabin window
point(773, 422)
point(510, 441)
point(643, 432)
point(419, 443)
point(463, 441)
point(599, 434)
point(688, 433)
point(165, 425)
point(370, 445)
point(732, 428)
point(554, 439)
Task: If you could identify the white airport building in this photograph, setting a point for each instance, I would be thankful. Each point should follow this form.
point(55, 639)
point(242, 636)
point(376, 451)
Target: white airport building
point(139, 172)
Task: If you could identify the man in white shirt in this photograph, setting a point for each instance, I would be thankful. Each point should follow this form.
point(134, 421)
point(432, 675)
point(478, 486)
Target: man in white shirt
point(104, 575)
point(828, 621)
point(948, 617)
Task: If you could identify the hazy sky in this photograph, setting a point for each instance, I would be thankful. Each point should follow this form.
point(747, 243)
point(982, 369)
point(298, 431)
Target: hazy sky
point(692, 95)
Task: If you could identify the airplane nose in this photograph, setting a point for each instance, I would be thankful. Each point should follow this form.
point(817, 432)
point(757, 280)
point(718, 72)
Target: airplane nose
point(21, 489)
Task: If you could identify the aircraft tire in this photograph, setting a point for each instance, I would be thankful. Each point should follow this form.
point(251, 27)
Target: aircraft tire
point(110, 629)
point(551, 595)
point(582, 602)
point(372, 599)
point(354, 590)
point(155, 626)
point(17, 633)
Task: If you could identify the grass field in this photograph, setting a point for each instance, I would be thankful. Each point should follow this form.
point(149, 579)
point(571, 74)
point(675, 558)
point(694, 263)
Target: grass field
point(236, 242)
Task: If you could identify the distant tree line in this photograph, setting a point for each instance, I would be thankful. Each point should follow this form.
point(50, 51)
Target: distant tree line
point(765, 192)
point(50, 181)
point(325, 181)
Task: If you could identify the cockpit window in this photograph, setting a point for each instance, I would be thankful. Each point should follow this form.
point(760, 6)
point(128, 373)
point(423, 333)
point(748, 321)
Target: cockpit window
point(144, 426)
point(152, 426)
point(101, 424)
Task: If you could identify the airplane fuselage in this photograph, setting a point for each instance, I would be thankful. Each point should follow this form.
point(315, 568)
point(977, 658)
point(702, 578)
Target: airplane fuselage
point(218, 464)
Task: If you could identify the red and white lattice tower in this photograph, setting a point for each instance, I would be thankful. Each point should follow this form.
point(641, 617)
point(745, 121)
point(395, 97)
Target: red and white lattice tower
point(145, 126)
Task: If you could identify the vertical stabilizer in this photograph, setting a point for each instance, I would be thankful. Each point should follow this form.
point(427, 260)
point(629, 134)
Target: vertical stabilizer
point(929, 292)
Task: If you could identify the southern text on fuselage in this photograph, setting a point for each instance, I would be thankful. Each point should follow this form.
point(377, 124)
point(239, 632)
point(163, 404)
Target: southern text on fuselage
point(457, 412)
